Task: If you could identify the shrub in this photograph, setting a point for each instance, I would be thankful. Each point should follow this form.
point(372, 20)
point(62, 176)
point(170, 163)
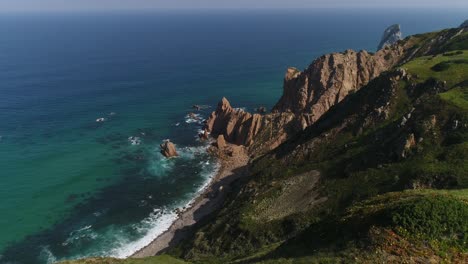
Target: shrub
point(432, 217)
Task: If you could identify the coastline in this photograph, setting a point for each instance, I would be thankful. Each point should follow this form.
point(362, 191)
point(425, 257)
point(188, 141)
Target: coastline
point(207, 202)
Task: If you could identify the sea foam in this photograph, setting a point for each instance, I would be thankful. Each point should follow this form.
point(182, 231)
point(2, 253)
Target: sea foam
point(161, 220)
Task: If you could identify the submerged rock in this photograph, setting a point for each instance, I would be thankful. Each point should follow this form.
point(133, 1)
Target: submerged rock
point(194, 116)
point(390, 36)
point(168, 149)
point(204, 135)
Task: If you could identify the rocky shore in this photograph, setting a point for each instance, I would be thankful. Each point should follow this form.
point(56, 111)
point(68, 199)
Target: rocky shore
point(232, 168)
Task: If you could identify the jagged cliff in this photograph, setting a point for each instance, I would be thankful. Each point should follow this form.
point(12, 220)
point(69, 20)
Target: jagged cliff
point(330, 78)
point(308, 94)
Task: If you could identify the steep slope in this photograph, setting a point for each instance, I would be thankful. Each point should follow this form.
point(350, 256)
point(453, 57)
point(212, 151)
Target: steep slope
point(406, 129)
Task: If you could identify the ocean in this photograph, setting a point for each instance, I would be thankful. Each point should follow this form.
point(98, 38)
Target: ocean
point(71, 187)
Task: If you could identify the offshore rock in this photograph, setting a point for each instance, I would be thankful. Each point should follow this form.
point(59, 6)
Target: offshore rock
point(390, 36)
point(168, 149)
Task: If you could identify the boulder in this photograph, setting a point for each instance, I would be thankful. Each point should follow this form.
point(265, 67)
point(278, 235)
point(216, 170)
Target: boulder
point(168, 149)
point(390, 36)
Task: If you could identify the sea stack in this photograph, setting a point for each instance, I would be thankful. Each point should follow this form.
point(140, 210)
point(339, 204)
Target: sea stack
point(168, 149)
point(390, 36)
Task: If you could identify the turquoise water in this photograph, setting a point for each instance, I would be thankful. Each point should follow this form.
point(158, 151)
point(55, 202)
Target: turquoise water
point(72, 187)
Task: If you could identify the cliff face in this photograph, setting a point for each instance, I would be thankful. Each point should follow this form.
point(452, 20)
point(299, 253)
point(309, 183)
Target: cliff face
point(306, 97)
point(308, 94)
point(242, 128)
point(329, 79)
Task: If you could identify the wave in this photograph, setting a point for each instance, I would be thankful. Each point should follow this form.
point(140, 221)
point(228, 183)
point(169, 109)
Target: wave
point(46, 255)
point(194, 119)
point(161, 220)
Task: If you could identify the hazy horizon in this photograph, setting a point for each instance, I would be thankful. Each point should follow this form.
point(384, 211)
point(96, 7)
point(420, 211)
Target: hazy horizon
point(7, 6)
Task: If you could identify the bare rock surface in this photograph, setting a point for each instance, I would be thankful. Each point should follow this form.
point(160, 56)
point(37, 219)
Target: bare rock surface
point(168, 149)
point(329, 79)
point(220, 142)
point(390, 36)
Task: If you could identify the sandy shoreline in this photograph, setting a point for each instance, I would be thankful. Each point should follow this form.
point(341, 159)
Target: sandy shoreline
point(207, 202)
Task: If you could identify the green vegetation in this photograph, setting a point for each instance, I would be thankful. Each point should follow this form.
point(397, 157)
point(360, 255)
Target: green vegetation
point(163, 259)
point(452, 68)
point(365, 159)
point(426, 223)
point(457, 96)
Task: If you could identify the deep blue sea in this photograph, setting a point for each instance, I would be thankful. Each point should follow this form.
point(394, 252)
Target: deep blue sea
point(72, 187)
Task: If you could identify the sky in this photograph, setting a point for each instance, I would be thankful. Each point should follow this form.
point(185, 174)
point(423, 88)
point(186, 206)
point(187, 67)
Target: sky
point(78, 5)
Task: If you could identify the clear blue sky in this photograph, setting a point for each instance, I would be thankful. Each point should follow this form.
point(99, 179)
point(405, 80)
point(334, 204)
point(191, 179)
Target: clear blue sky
point(57, 5)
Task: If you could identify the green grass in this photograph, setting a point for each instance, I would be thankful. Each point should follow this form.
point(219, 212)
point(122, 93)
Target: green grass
point(424, 224)
point(451, 69)
point(457, 96)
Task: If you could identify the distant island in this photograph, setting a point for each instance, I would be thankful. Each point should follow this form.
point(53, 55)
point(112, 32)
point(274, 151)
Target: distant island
point(364, 159)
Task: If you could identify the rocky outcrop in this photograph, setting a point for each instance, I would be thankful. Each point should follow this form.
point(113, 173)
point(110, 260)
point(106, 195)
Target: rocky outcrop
point(220, 142)
point(309, 94)
point(236, 125)
point(390, 36)
point(405, 146)
point(464, 24)
point(329, 79)
point(259, 132)
point(168, 149)
point(306, 97)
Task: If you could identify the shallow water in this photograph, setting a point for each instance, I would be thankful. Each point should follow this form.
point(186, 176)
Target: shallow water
point(72, 187)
